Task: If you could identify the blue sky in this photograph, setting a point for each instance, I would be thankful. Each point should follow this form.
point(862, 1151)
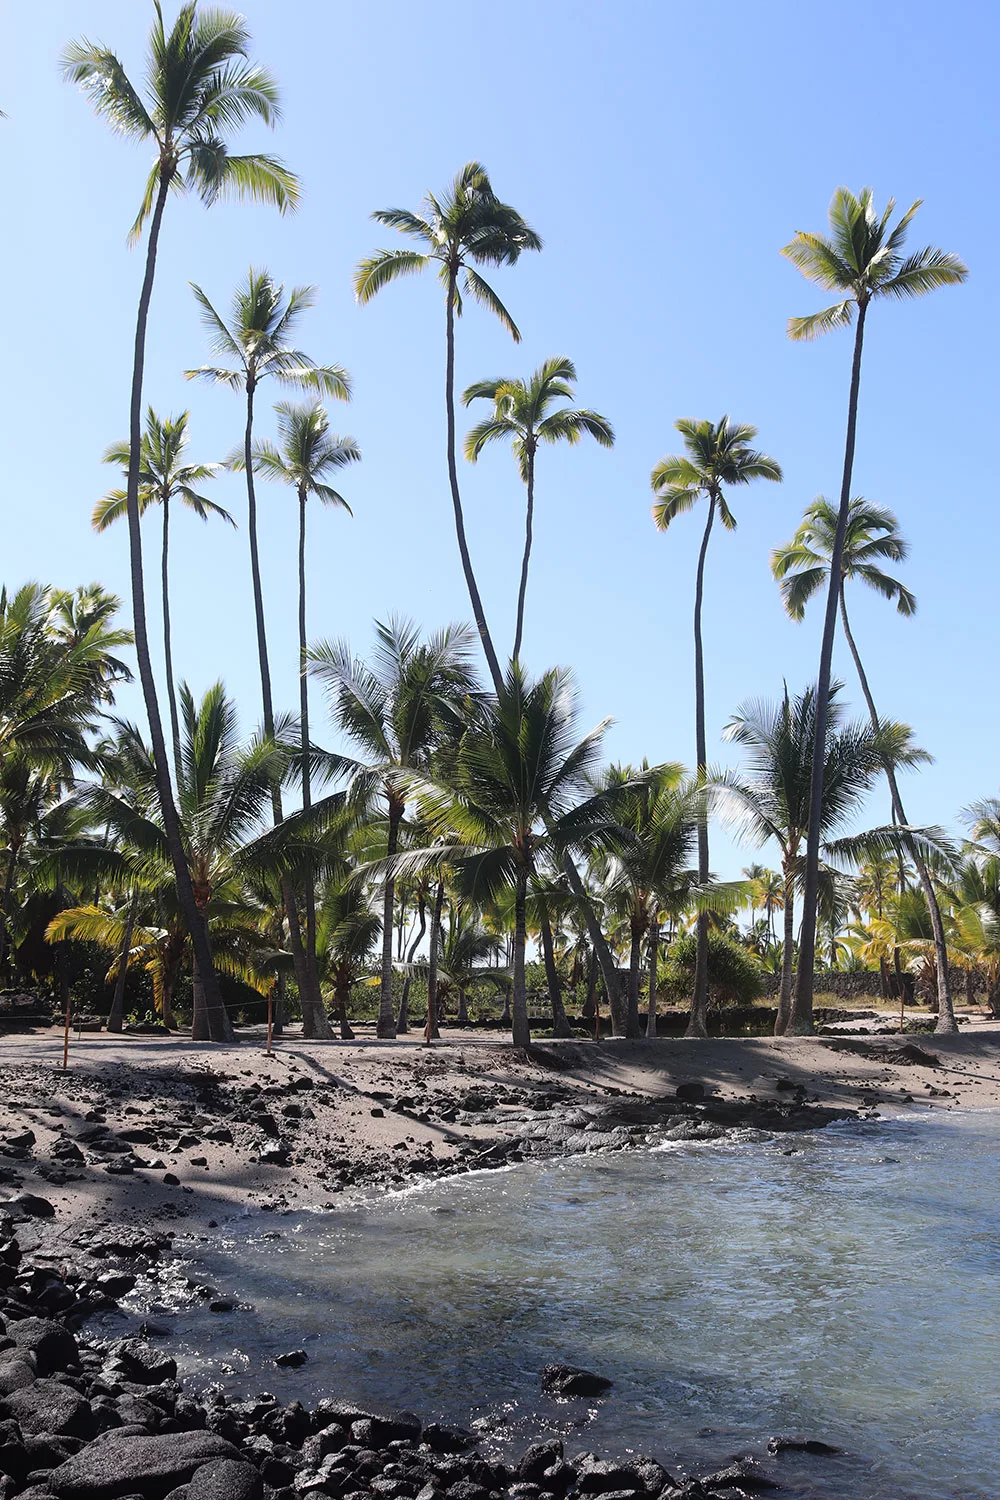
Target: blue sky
point(664, 153)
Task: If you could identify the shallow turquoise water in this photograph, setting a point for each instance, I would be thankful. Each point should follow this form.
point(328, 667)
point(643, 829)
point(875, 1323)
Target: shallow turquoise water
point(841, 1285)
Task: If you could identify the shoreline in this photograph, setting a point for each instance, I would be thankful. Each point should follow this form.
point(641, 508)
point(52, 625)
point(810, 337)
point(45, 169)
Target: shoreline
point(147, 1138)
point(464, 1108)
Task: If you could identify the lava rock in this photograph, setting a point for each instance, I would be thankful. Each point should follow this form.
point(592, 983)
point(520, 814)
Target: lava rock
point(690, 1093)
point(225, 1479)
point(48, 1407)
point(15, 1374)
point(143, 1363)
point(800, 1445)
point(52, 1345)
point(28, 1206)
point(442, 1437)
point(119, 1464)
point(569, 1380)
point(536, 1459)
point(292, 1360)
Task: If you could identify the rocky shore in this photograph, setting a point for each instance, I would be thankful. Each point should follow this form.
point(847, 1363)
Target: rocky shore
point(93, 1419)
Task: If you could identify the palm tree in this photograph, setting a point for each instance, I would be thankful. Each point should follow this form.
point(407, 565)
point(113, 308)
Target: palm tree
point(466, 227)
point(307, 454)
point(523, 415)
point(862, 257)
point(517, 796)
point(163, 476)
point(659, 814)
point(718, 455)
point(773, 801)
point(348, 932)
point(398, 710)
point(767, 895)
point(871, 537)
point(200, 87)
point(257, 343)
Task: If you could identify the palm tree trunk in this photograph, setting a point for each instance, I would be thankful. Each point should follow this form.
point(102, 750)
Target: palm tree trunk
point(403, 1021)
point(946, 1013)
point(117, 1011)
point(633, 981)
point(520, 1030)
point(699, 1001)
point(314, 1017)
point(785, 986)
point(617, 1003)
point(456, 498)
point(313, 1014)
point(529, 516)
point(654, 950)
point(431, 1028)
point(801, 1021)
point(560, 1025)
point(8, 887)
point(386, 1027)
point(341, 992)
point(590, 1003)
point(168, 656)
point(212, 1023)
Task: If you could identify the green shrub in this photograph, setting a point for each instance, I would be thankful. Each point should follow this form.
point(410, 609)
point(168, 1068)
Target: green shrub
point(734, 975)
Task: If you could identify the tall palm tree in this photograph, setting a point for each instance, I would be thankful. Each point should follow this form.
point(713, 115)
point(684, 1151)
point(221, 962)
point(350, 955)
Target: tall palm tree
point(398, 709)
point(871, 537)
point(863, 257)
point(257, 343)
point(163, 476)
point(200, 87)
point(767, 895)
point(466, 227)
point(523, 414)
point(518, 794)
point(773, 800)
point(306, 455)
point(718, 456)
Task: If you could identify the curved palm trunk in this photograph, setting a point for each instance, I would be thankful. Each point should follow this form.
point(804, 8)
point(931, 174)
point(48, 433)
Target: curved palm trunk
point(785, 987)
point(529, 516)
point(801, 1021)
point(654, 952)
point(168, 656)
point(946, 1013)
point(617, 1002)
point(403, 1021)
point(314, 1017)
point(520, 1030)
point(456, 498)
point(386, 1027)
point(8, 888)
point(698, 1016)
point(313, 1014)
point(117, 1012)
point(560, 1025)
point(211, 1021)
point(431, 1028)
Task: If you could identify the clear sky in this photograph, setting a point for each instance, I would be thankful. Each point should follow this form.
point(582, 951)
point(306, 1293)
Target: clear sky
point(664, 152)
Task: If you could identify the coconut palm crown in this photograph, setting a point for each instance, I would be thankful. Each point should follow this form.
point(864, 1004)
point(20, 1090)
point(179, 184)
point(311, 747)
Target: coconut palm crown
point(872, 537)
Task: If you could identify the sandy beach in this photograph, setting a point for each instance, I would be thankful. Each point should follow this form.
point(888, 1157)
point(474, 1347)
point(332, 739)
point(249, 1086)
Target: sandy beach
point(166, 1135)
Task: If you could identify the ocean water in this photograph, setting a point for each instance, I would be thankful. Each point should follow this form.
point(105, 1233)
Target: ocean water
point(841, 1285)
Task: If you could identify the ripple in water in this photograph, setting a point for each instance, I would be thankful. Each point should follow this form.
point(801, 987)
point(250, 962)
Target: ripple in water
point(841, 1285)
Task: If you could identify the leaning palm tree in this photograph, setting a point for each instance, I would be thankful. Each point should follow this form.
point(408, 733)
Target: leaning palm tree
point(718, 456)
point(163, 476)
point(306, 455)
point(466, 227)
point(257, 345)
point(871, 537)
point(398, 710)
point(862, 257)
point(772, 799)
point(200, 88)
point(524, 414)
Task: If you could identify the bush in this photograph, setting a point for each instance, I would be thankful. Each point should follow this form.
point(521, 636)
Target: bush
point(734, 975)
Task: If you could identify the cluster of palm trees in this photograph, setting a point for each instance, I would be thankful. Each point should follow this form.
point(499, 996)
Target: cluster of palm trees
point(473, 815)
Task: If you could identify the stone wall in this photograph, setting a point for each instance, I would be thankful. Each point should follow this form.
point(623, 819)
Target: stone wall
point(861, 984)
